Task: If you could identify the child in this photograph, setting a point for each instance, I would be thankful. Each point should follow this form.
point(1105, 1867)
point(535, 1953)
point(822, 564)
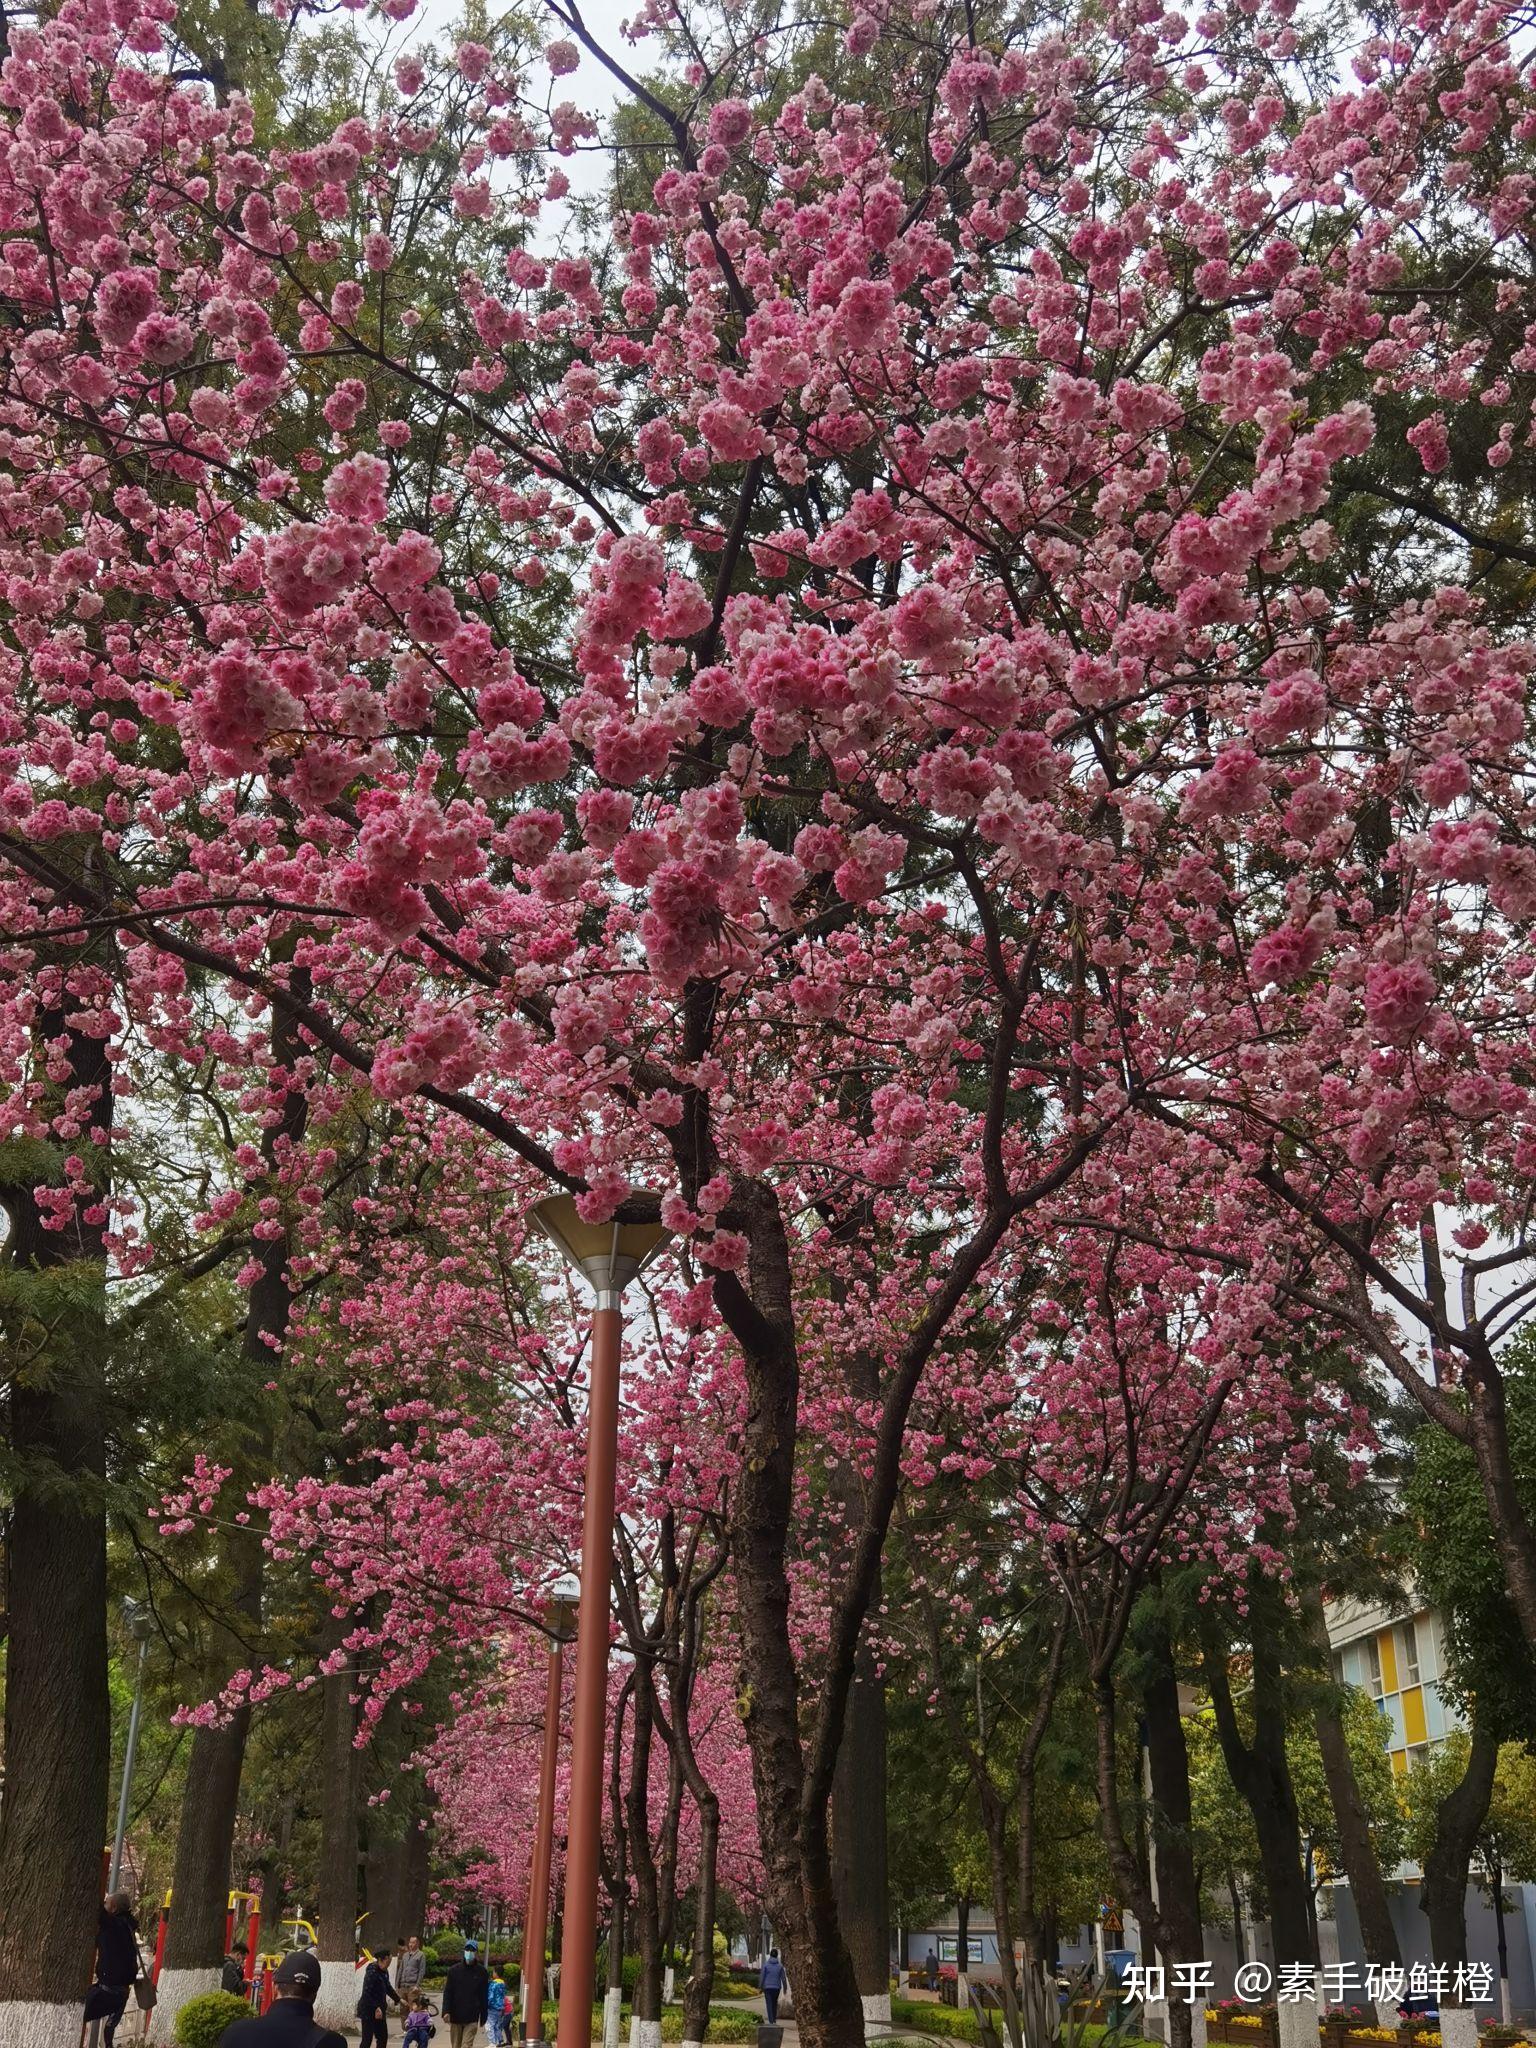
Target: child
point(496, 2009)
point(418, 2028)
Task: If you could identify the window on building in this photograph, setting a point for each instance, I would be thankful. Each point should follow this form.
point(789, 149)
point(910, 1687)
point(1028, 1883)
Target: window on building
point(1417, 1752)
point(1373, 1668)
point(1410, 1653)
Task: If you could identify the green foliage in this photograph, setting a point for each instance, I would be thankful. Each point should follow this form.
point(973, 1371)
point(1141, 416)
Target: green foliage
point(935, 2019)
point(1488, 1659)
point(1507, 1839)
point(1425, 1783)
point(1225, 1841)
point(201, 2021)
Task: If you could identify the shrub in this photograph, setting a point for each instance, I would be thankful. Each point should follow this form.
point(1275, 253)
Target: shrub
point(201, 2020)
point(935, 2019)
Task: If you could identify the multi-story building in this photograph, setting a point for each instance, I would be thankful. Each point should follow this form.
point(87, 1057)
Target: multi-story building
point(1398, 1662)
point(1397, 1657)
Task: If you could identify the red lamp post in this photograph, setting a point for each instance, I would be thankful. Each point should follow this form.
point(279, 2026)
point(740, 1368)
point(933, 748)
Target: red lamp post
point(562, 1612)
point(609, 1255)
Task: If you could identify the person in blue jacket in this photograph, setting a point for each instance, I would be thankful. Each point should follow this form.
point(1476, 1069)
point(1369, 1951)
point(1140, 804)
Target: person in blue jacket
point(771, 1982)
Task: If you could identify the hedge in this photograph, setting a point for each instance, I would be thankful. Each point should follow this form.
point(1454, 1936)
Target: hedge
point(726, 2023)
point(202, 2020)
point(952, 2022)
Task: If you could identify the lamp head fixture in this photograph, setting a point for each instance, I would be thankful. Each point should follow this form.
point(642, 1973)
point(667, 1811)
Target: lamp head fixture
point(608, 1255)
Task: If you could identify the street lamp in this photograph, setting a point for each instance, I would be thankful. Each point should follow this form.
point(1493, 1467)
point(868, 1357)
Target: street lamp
point(609, 1255)
point(562, 1608)
point(141, 1627)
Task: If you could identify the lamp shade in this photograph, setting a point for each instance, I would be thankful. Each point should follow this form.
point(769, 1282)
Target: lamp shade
point(609, 1254)
point(564, 1599)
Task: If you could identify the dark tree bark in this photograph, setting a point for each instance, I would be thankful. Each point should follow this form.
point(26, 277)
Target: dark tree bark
point(415, 1876)
point(1357, 1850)
point(1178, 1887)
point(1458, 1817)
point(57, 1717)
point(860, 1855)
point(337, 1899)
point(645, 1918)
point(859, 1859)
point(1129, 1871)
point(194, 1946)
point(700, 1985)
point(1039, 2009)
point(1262, 1776)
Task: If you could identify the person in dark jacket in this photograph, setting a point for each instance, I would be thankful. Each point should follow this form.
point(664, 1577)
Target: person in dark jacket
point(466, 1998)
point(373, 2001)
point(117, 1963)
point(232, 1978)
point(290, 2022)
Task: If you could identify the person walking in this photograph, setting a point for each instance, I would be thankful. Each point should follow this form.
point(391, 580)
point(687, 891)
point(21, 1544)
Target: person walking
point(496, 2009)
point(373, 2001)
point(411, 1969)
point(771, 1981)
point(117, 1963)
point(290, 2020)
point(466, 1997)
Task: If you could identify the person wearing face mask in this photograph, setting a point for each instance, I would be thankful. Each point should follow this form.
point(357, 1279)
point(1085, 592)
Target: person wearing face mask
point(466, 1998)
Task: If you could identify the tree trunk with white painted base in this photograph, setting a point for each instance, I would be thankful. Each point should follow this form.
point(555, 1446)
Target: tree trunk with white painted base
point(337, 1903)
point(859, 1858)
point(57, 1723)
point(202, 1874)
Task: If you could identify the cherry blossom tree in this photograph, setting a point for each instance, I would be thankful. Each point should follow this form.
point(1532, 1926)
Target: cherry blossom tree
point(819, 716)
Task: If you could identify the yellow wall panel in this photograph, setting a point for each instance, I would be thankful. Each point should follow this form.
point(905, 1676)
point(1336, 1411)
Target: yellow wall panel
point(1399, 1762)
point(1413, 1715)
point(1386, 1643)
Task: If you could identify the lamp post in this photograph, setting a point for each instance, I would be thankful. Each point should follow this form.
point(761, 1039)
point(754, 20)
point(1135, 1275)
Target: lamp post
point(563, 1609)
point(141, 1628)
point(609, 1256)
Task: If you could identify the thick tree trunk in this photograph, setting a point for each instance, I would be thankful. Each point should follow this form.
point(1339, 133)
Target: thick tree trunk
point(1357, 1850)
point(1488, 1433)
point(859, 1864)
point(666, 1867)
point(57, 1721)
point(613, 1998)
point(700, 1987)
point(1239, 1936)
point(797, 1865)
point(415, 1877)
point(994, 1821)
point(1039, 2008)
point(383, 1876)
point(1458, 1817)
point(1501, 1936)
point(337, 1901)
point(1261, 1774)
point(1178, 1886)
point(194, 1941)
point(645, 2012)
point(200, 1882)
